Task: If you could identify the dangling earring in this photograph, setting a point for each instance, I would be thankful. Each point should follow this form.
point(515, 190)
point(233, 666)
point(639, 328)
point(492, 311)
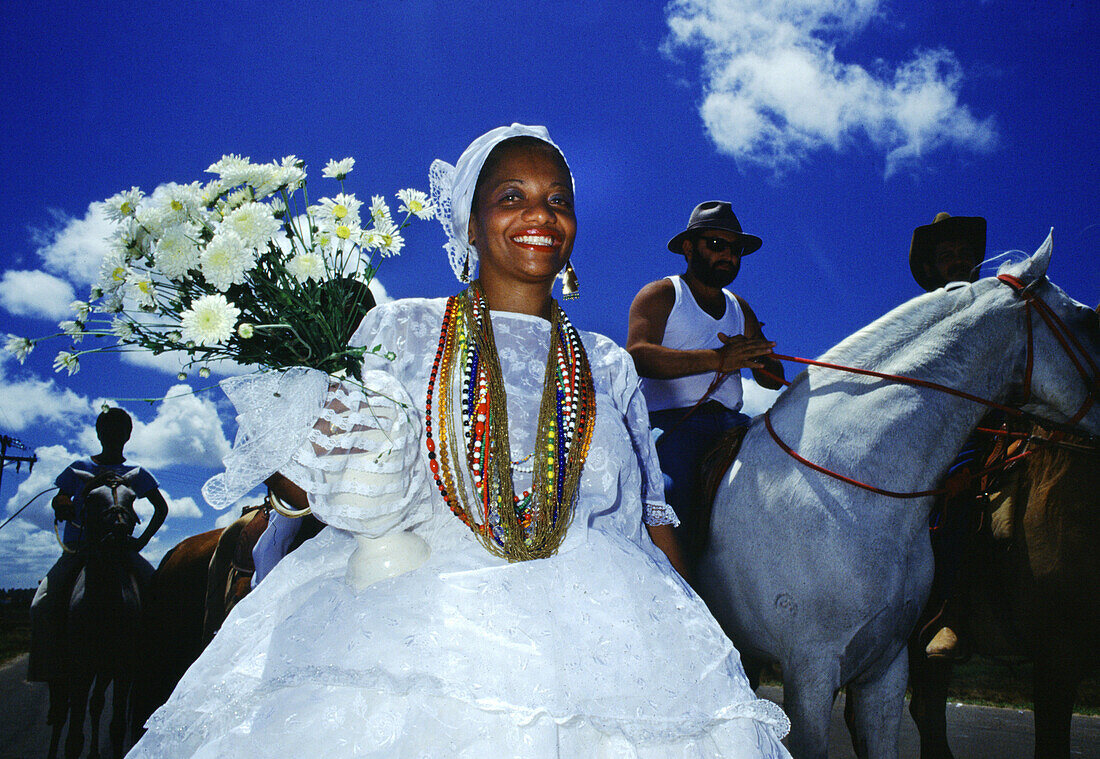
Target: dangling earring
point(569, 287)
point(466, 268)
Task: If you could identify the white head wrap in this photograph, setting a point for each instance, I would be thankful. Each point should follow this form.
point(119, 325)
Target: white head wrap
point(452, 190)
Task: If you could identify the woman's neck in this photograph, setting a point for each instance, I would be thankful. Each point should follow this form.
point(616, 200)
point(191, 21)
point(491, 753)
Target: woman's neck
point(518, 297)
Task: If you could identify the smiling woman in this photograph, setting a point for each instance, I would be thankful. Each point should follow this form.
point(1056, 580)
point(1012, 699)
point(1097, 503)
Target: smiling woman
point(488, 585)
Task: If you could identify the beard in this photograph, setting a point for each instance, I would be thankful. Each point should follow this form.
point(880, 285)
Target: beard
point(712, 276)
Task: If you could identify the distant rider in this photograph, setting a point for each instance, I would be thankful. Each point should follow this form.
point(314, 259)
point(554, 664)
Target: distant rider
point(51, 601)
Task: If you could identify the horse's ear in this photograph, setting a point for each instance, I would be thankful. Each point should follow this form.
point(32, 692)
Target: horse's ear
point(1033, 269)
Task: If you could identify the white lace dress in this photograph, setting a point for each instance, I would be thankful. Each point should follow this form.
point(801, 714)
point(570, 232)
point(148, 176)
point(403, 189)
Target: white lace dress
point(598, 651)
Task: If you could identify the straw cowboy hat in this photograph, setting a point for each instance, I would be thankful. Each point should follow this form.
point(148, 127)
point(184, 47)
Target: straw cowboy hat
point(922, 251)
point(714, 214)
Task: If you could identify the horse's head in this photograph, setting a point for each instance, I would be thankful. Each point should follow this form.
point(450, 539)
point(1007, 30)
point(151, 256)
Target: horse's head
point(109, 508)
point(1064, 346)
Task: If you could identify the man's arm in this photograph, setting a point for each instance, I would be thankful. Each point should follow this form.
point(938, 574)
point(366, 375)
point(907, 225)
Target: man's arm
point(766, 363)
point(63, 507)
point(648, 317)
point(160, 512)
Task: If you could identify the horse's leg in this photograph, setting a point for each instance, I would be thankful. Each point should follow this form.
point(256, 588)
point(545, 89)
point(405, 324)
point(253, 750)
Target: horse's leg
point(120, 701)
point(877, 705)
point(1056, 676)
point(808, 692)
point(59, 707)
point(928, 680)
point(79, 685)
point(95, 711)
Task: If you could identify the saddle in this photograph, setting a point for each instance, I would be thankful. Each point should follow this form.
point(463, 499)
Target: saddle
point(247, 539)
point(712, 468)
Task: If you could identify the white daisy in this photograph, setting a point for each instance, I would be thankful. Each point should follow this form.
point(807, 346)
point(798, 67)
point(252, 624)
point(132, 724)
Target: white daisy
point(233, 169)
point(19, 347)
point(254, 224)
point(122, 329)
point(338, 169)
point(305, 266)
point(113, 271)
point(73, 329)
point(123, 204)
point(293, 172)
point(379, 211)
point(67, 361)
point(387, 239)
point(209, 321)
point(415, 202)
point(176, 252)
point(225, 261)
point(210, 192)
point(81, 309)
point(142, 291)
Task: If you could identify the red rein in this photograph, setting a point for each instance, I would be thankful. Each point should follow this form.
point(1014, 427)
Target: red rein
point(1057, 327)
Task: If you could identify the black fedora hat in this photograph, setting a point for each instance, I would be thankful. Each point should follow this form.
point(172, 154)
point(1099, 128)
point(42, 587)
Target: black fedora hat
point(922, 250)
point(714, 214)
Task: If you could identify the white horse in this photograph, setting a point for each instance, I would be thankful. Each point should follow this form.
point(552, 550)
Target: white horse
point(828, 579)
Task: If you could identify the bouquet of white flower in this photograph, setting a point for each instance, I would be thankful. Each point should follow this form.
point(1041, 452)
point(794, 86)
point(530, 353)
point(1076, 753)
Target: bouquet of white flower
point(241, 268)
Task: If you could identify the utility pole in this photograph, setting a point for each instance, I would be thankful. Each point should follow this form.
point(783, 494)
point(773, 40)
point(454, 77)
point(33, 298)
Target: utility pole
point(6, 441)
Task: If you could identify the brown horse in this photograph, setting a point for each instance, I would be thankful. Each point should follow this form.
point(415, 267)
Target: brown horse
point(1035, 592)
point(193, 590)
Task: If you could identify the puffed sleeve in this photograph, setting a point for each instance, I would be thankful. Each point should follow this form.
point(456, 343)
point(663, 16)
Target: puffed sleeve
point(360, 463)
point(629, 398)
point(351, 445)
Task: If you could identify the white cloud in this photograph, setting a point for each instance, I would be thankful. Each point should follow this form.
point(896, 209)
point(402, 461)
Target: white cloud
point(36, 293)
point(32, 402)
point(76, 247)
point(186, 430)
point(774, 90)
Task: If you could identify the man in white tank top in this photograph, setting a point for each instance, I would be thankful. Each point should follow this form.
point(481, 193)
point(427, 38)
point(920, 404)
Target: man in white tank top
point(690, 338)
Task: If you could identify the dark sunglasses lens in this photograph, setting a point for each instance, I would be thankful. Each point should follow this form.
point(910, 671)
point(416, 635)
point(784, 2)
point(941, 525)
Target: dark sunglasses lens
point(719, 244)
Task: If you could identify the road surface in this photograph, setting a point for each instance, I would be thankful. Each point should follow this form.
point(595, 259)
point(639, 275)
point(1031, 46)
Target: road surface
point(976, 732)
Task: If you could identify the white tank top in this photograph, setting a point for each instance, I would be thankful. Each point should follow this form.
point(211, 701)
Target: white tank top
point(689, 327)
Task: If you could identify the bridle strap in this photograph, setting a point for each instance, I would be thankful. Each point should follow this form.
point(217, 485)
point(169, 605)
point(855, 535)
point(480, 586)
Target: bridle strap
point(1062, 333)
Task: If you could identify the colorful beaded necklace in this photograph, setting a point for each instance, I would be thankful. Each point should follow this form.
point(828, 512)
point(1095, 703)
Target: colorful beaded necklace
point(512, 527)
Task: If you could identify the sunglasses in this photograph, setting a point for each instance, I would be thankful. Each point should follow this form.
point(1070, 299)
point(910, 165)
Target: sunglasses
point(721, 244)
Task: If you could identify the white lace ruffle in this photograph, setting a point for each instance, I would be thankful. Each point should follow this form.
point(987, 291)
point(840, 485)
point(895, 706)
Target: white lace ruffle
point(460, 254)
point(275, 411)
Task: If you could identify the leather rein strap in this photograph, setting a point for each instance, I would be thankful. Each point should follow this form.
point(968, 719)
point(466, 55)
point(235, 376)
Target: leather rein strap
point(1061, 332)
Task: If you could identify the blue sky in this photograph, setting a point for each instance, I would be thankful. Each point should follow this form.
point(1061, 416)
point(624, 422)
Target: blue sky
point(833, 126)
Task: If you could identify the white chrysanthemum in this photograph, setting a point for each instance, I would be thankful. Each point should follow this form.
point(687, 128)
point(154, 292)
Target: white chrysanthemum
point(264, 179)
point(176, 252)
point(122, 329)
point(236, 199)
point(338, 169)
point(305, 266)
point(246, 330)
point(142, 292)
point(112, 303)
point(210, 192)
point(233, 169)
point(225, 261)
point(81, 309)
point(209, 321)
point(19, 347)
point(67, 361)
point(253, 223)
point(415, 202)
point(123, 204)
point(73, 329)
point(343, 209)
point(293, 172)
point(379, 211)
point(113, 271)
point(386, 238)
point(278, 208)
point(169, 205)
